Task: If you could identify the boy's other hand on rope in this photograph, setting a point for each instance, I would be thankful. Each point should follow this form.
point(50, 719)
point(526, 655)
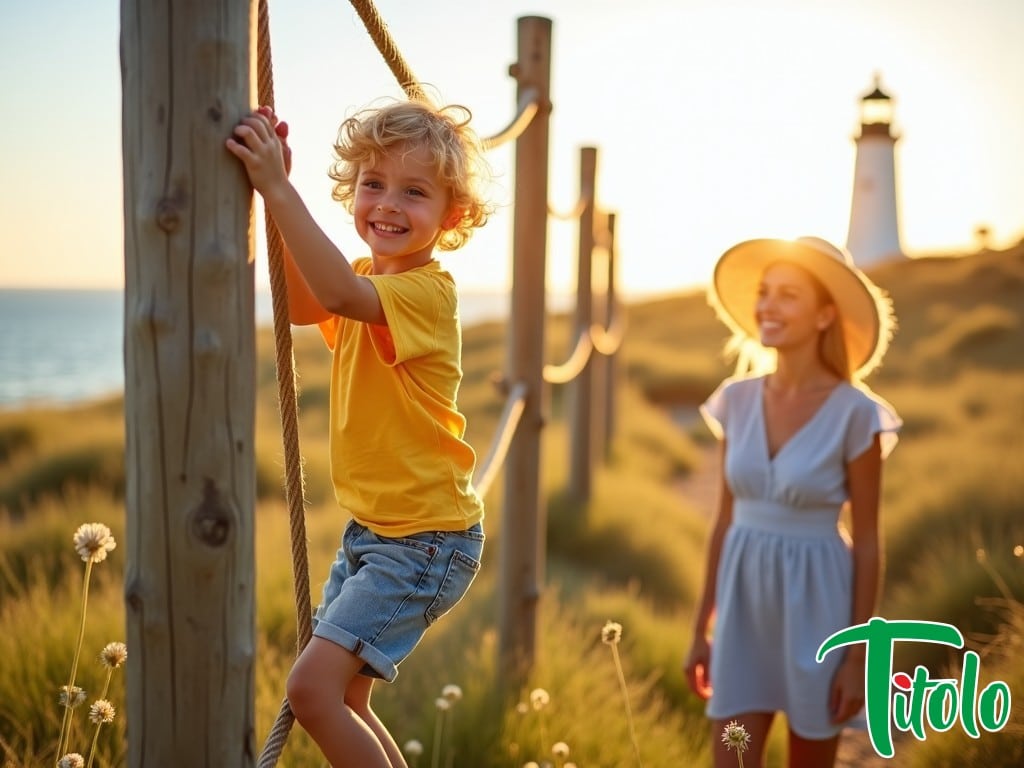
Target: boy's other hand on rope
point(260, 141)
point(281, 129)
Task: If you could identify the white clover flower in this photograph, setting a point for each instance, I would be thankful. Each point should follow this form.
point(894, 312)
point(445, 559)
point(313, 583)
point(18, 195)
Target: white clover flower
point(452, 692)
point(442, 703)
point(611, 633)
point(735, 736)
point(560, 750)
point(93, 541)
point(101, 711)
point(413, 748)
point(539, 698)
point(77, 696)
point(522, 708)
point(113, 655)
point(71, 760)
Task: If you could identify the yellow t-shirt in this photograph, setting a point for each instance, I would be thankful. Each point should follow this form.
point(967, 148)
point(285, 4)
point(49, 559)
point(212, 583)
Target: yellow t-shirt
point(398, 459)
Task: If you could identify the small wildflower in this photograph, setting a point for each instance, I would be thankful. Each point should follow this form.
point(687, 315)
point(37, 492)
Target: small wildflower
point(101, 711)
point(93, 541)
point(560, 750)
point(735, 736)
point(77, 697)
point(1018, 551)
point(114, 655)
point(452, 692)
point(611, 633)
point(71, 760)
point(539, 698)
point(443, 705)
point(413, 748)
point(522, 708)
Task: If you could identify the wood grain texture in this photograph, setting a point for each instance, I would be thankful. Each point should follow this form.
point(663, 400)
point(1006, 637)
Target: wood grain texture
point(189, 384)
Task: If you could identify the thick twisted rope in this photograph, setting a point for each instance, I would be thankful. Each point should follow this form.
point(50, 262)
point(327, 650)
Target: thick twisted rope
point(388, 49)
point(288, 406)
point(288, 403)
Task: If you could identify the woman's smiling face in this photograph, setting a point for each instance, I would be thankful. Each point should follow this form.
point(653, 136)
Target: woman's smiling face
point(790, 309)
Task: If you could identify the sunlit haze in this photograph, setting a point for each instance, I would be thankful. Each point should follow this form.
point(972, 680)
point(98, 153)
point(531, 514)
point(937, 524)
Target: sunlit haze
point(714, 121)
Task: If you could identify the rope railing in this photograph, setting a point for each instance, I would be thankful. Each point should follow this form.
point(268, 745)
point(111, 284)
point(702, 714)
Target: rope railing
point(608, 340)
point(576, 211)
point(605, 341)
point(513, 412)
point(529, 105)
point(563, 373)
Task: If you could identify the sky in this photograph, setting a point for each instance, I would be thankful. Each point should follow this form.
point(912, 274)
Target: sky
point(714, 121)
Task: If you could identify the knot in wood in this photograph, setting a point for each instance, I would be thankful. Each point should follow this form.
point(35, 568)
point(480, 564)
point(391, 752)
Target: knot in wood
point(133, 595)
point(212, 520)
point(167, 214)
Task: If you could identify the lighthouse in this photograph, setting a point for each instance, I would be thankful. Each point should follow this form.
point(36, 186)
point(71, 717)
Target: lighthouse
point(874, 234)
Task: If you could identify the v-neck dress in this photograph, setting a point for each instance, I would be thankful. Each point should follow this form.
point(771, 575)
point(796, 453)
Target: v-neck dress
point(785, 574)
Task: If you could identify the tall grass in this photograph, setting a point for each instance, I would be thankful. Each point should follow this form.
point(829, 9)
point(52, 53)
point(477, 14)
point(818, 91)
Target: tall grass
point(634, 554)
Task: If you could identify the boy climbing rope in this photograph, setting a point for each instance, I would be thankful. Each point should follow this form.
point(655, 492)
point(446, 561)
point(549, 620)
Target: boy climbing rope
point(402, 472)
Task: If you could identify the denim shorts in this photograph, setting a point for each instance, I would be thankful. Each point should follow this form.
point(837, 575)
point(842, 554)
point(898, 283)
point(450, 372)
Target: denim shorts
point(382, 593)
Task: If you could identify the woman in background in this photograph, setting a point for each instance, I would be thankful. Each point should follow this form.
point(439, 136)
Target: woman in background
point(802, 438)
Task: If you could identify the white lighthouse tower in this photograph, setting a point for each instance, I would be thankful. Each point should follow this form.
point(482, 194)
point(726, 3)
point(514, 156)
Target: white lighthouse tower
point(874, 234)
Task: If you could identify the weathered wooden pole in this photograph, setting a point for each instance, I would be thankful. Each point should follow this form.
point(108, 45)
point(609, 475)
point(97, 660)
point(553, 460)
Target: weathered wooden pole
point(189, 384)
point(524, 518)
point(599, 360)
point(581, 454)
point(610, 319)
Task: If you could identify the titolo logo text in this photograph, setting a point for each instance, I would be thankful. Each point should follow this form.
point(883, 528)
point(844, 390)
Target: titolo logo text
point(919, 702)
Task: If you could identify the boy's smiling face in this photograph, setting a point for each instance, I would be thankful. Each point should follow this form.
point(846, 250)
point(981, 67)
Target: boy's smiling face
point(401, 207)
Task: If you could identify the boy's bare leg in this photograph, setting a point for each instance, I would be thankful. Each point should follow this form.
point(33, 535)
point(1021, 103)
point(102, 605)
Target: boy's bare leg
point(316, 690)
point(358, 698)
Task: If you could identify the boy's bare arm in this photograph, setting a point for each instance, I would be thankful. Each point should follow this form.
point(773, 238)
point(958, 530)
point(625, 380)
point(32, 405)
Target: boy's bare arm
point(326, 272)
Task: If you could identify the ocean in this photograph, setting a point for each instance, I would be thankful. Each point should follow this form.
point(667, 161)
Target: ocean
point(66, 346)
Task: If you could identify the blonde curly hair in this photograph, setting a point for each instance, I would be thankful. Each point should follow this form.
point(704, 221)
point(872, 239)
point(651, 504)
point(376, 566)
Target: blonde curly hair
point(373, 132)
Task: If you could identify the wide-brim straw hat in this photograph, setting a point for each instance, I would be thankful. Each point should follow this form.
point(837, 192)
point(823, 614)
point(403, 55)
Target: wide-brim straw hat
point(864, 310)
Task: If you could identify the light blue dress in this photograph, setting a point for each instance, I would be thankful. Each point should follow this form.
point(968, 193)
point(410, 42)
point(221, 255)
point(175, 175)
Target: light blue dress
point(785, 574)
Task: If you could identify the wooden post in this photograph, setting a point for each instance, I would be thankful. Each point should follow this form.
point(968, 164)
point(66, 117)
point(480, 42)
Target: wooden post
point(599, 360)
point(524, 518)
point(189, 384)
point(612, 306)
point(581, 392)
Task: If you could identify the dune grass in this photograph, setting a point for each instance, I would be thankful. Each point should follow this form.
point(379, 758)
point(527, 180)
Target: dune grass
point(953, 531)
